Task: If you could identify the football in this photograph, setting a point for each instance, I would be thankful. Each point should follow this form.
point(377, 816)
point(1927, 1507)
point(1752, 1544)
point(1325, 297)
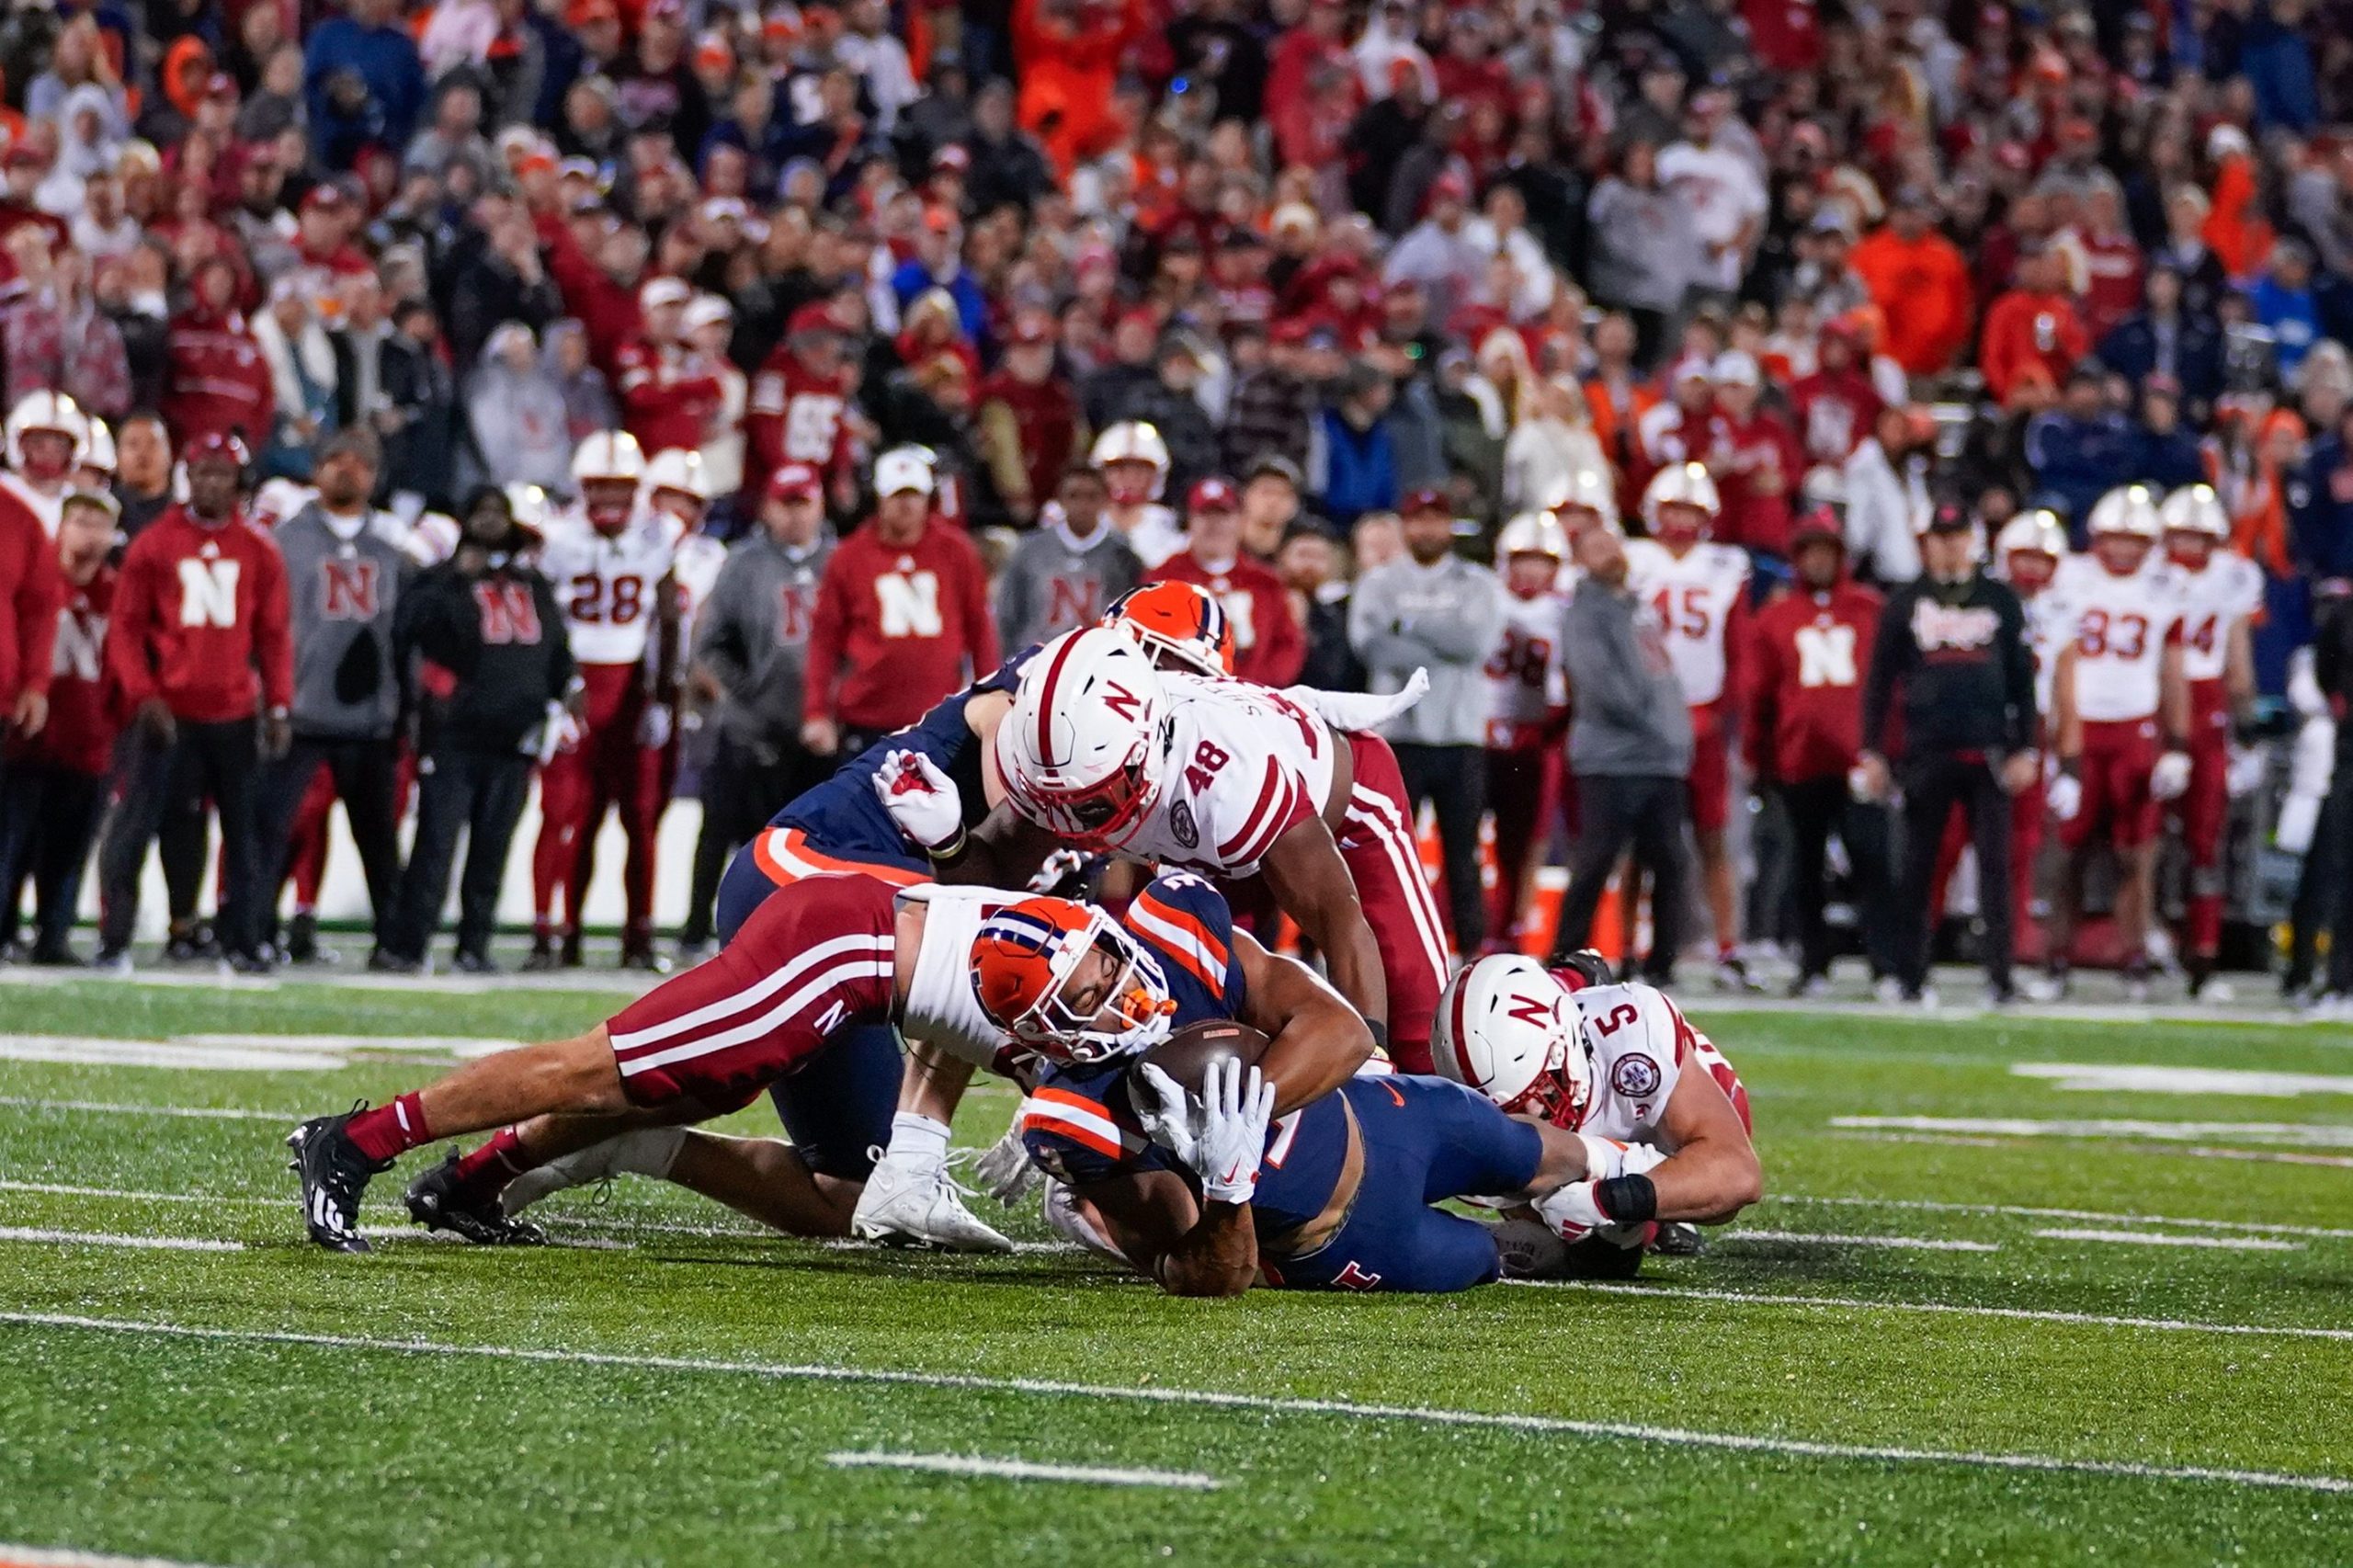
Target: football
point(1187, 1054)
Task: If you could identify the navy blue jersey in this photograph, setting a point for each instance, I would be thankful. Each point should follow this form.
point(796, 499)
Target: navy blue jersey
point(842, 817)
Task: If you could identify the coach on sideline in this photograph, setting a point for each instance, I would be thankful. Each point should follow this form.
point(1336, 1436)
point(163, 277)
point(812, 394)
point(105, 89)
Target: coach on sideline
point(1629, 746)
point(1951, 648)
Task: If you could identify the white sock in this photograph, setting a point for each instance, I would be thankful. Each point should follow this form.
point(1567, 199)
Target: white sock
point(918, 1143)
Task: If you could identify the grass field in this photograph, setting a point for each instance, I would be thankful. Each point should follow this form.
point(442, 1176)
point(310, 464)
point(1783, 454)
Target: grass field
point(1992, 1311)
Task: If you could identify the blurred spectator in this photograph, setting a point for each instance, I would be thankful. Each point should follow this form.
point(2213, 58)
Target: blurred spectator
point(2161, 339)
point(517, 415)
point(1268, 647)
point(1070, 571)
point(2079, 451)
point(1028, 422)
point(1434, 611)
point(144, 475)
point(1647, 250)
point(2033, 335)
point(220, 385)
point(1837, 406)
point(419, 422)
point(1309, 564)
point(2285, 306)
point(1887, 501)
point(2165, 453)
point(1551, 439)
point(362, 69)
point(301, 377)
point(1353, 460)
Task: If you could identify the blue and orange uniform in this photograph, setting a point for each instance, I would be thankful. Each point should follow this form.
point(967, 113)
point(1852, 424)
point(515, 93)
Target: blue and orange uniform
point(837, 1109)
point(1346, 1190)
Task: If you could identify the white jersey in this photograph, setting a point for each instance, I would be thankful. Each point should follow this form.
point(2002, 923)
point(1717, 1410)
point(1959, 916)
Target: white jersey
point(695, 561)
point(2214, 598)
point(1525, 683)
point(2122, 626)
point(1641, 1042)
point(1245, 764)
point(1695, 597)
point(1155, 535)
point(2050, 626)
point(50, 509)
point(608, 583)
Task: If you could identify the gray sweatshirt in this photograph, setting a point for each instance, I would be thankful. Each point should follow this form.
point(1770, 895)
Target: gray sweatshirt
point(1446, 618)
point(1055, 584)
point(344, 586)
point(754, 636)
point(1643, 246)
point(1630, 720)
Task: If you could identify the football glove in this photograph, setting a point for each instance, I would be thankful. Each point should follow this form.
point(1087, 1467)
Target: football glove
point(1234, 1113)
point(1004, 1171)
point(2065, 796)
point(2169, 780)
point(922, 800)
point(655, 726)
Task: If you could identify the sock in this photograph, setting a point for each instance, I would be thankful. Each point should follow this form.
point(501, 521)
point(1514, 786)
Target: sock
point(482, 1172)
point(390, 1130)
point(917, 1142)
point(2206, 924)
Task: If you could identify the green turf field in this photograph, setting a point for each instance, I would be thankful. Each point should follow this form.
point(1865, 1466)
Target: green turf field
point(1998, 1319)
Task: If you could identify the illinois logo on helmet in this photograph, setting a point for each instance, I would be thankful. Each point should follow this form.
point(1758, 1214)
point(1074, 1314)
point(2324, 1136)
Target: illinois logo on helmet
point(1080, 750)
point(1178, 625)
point(1031, 976)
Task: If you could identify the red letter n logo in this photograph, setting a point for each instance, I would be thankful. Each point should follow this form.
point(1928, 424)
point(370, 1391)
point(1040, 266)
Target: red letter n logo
point(509, 613)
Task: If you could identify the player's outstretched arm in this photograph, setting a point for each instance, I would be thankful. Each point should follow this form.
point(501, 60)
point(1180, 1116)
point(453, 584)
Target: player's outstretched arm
point(1316, 1041)
point(1192, 1249)
point(1713, 1172)
point(1005, 851)
point(1313, 885)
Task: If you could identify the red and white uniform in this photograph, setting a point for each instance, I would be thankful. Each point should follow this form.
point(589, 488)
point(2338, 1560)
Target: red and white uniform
point(49, 510)
point(796, 415)
point(82, 723)
point(1697, 595)
point(2123, 625)
point(1641, 1044)
point(1528, 696)
point(1757, 465)
point(2214, 600)
point(610, 588)
point(815, 959)
point(1244, 765)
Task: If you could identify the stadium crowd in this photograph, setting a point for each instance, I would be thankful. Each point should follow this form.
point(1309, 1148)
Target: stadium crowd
point(632, 395)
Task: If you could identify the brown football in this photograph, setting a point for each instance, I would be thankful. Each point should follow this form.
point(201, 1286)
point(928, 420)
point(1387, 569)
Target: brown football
point(1187, 1054)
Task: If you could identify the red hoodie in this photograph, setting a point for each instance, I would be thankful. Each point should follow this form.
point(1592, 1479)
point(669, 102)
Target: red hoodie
point(82, 717)
point(200, 619)
point(1802, 682)
point(668, 396)
point(216, 382)
point(31, 588)
point(1757, 467)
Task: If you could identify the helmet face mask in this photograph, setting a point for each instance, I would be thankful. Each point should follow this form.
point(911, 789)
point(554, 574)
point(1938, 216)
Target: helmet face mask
point(1506, 1028)
point(1080, 750)
point(1681, 504)
point(2194, 525)
point(1066, 983)
point(608, 503)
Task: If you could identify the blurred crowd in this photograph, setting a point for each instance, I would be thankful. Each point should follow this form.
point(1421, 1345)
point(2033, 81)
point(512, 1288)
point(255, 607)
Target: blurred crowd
point(1249, 295)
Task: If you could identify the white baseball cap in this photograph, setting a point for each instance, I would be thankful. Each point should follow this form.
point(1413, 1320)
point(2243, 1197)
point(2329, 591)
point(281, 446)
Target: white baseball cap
point(902, 469)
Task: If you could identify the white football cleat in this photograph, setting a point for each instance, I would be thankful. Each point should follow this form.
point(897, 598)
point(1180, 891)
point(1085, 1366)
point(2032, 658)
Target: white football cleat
point(925, 1207)
point(649, 1151)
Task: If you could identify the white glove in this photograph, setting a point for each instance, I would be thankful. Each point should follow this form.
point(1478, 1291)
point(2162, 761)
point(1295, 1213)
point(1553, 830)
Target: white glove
point(1004, 1170)
point(2246, 773)
point(1054, 868)
point(922, 800)
point(2169, 780)
point(2065, 796)
point(654, 726)
point(1168, 1121)
point(1359, 709)
point(1234, 1113)
point(1572, 1211)
point(1607, 1158)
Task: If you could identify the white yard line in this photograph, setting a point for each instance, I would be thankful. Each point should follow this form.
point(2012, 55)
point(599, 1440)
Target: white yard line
point(1217, 1399)
point(107, 1239)
point(2126, 1079)
point(1817, 1238)
point(65, 1557)
point(113, 1107)
point(1935, 1205)
point(1025, 1470)
point(2167, 1150)
point(1862, 1304)
point(2292, 1135)
point(92, 1050)
point(2160, 1239)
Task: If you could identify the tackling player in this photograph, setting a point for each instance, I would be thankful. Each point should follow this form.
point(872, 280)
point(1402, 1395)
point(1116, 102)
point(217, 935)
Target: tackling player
point(2133, 707)
point(1610, 1063)
point(1528, 707)
point(610, 560)
point(2220, 592)
point(1700, 590)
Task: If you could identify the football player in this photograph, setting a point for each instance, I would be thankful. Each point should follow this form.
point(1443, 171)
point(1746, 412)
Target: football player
point(1616, 1065)
point(2220, 592)
point(609, 559)
point(1528, 705)
point(2133, 710)
point(46, 435)
point(1700, 590)
point(1134, 461)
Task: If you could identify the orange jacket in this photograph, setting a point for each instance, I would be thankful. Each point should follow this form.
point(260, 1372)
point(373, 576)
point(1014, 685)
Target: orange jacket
point(1922, 287)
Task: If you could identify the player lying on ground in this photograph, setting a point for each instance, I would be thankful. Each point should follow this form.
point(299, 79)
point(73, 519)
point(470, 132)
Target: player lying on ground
point(821, 958)
point(1612, 1064)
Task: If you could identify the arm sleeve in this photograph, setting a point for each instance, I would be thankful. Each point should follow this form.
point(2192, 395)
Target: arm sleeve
point(1371, 618)
point(824, 643)
point(273, 641)
point(1599, 674)
point(134, 606)
point(2018, 674)
point(1879, 681)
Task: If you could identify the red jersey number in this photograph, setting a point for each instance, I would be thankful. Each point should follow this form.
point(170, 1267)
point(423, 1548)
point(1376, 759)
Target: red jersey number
point(1524, 659)
point(1696, 619)
point(593, 602)
point(2125, 636)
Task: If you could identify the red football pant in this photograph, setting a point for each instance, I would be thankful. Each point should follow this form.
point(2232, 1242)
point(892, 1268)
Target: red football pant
point(1378, 847)
point(2118, 756)
point(2205, 811)
point(1710, 775)
point(606, 769)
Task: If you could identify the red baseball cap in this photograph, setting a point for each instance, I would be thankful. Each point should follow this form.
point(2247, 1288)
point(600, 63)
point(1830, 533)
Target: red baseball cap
point(795, 481)
point(1425, 499)
point(1213, 495)
point(815, 317)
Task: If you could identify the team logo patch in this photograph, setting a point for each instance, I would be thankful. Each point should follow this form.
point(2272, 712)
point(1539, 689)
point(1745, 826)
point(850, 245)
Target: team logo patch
point(1180, 823)
point(1635, 1077)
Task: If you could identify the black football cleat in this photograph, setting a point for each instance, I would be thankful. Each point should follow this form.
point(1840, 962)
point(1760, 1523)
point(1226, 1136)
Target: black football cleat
point(542, 958)
point(335, 1174)
point(641, 956)
point(434, 1202)
point(472, 961)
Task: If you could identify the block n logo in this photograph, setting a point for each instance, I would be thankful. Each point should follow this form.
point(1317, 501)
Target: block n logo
point(209, 592)
point(910, 604)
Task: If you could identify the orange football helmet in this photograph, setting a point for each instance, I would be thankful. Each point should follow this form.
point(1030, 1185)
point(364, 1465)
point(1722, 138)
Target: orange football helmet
point(1178, 626)
point(1024, 961)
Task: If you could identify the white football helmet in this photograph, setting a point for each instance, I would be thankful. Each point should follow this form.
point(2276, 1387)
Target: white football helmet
point(2127, 509)
point(1133, 440)
point(674, 468)
point(2035, 533)
point(2196, 509)
point(51, 411)
point(1532, 533)
point(97, 453)
point(607, 454)
point(902, 469)
point(1080, 749)
point(1591, 490)
point(1509, 1031)
point(1681, 485)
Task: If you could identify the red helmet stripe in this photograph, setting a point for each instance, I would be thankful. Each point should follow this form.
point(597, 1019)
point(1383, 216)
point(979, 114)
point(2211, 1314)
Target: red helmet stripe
point(1046, 701)
point(1460, 1032)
